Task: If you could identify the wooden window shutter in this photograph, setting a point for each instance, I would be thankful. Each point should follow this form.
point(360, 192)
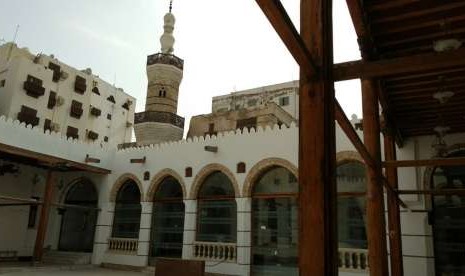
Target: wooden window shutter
point(52, 100)
point(72, 132)
point(76, 109)
point(28, 116)
point(80, 85)
point(56, 71)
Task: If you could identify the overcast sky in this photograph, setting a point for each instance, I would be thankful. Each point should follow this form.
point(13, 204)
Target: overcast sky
point(227, 45)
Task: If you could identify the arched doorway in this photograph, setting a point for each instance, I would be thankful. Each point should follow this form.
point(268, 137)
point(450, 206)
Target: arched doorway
point(78, 224)
point(126, 221)
point(275, 223)
point(216, 210)
point(351, 205)
point(167, 221)
point(448, 220)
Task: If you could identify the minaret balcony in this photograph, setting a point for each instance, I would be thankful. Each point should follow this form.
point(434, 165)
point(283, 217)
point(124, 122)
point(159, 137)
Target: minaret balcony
point(159, 117)
point(167, 59)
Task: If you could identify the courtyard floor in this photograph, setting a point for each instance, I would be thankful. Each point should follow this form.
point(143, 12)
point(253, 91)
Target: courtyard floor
point(63, 270)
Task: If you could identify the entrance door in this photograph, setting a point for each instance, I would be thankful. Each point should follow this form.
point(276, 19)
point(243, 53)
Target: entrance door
point(78, 225)
point(449, 221)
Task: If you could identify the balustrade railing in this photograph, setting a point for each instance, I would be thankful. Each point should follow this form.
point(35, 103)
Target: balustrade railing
point(215, 251)
point(352, 259)
point(122, 245)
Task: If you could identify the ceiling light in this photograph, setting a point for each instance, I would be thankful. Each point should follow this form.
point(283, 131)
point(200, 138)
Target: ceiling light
point(443, 96)
point(447, 45)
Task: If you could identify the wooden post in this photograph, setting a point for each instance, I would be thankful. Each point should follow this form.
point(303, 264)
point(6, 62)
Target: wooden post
point(317, 189)
point(44, 215)
point(376, 225)
point(395, 239)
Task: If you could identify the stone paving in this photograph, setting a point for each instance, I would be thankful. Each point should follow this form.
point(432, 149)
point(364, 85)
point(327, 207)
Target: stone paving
point(71, 271)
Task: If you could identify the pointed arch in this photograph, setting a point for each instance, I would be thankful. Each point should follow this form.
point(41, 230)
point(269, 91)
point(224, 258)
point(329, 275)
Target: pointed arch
point(259, 168)
point(158, 178)
point(73, 182)
point(206, 171)
point(343, 157)
point(120, 181)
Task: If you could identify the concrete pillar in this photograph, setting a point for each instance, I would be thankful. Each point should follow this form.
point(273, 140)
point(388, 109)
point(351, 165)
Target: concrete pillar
point(190, 225)
point(244, 242)
point(144, 232)
point(103, 231)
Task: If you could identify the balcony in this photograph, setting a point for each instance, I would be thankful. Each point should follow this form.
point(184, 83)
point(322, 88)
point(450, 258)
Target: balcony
point(353, 260)
point(167, 59)
point(215, 251)
point(159, 117)
point(33, 89)
point(123, 246)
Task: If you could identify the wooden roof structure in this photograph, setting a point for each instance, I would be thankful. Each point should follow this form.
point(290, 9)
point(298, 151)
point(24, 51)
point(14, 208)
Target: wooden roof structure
point(411, 50)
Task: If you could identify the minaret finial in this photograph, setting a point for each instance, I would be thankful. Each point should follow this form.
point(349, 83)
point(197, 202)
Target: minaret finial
point(171, 5)
point(167, 39)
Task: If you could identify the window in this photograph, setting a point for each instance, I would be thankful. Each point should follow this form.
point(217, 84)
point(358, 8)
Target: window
point(126, 105)
point(247, 123)
point(167, 221)
point(111, 99)
point(126, 221)
point(92, 135)
point(33, 87)
point(52, 100)
point(2, 83)
point(350, 177)
point(28, 116)
point(56, 71)
point(240, 167)
point(275, 222)
point(162, 92)
point(146, 175)
point(76, 109)
point(108, 116)
point(211, 130)
point(80, 85)
point(95, 111)
point(72, 132)
point(95, 90)
point(216, 213)
point(188, 172)
point(105, 139)
point(48, 125)
point(283, 101)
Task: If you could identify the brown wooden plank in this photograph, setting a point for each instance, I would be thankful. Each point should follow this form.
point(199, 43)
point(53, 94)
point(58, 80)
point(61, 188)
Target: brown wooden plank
point(317, 151)
point(394, 234)
point(401, 65)
point(281, 22)
point(439, 192)
point(51, 161)
point(376, 226)
point(459, 161)
point(44, 216)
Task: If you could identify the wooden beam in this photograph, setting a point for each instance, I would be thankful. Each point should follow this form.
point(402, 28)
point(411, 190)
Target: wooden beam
point(281, 22)
point(365, 40)
point(51, 161)
point(376, 226)
point(21, 200)
point(44, 216)
point(394, 234)
point(444, 192)
point(317, 146)
point(91, 159)
point(458, 161)
point(138, 160)
point(395, 66)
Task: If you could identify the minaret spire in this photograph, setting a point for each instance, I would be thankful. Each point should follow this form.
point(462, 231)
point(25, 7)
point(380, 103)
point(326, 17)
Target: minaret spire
point(167, 39)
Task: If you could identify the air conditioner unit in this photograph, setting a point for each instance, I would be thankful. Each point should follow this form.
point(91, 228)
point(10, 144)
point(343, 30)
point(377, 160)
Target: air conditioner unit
point(60, 101)
point(63, 75)
point(55, 127)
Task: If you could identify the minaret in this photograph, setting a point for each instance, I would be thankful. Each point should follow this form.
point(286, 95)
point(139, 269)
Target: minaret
point(160, 123)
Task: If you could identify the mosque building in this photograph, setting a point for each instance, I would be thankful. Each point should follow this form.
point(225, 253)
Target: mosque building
point(74, 189)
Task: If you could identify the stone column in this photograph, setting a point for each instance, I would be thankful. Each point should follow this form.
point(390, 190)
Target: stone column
point(103, 230)
point(244, 243)
point(190, 226)
point(144, 232)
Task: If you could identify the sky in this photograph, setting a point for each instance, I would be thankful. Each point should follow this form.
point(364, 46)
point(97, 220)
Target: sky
point(227, 45)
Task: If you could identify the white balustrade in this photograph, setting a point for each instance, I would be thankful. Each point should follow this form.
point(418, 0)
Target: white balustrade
point(215, 251)
point(123, 246)
point(352, 259)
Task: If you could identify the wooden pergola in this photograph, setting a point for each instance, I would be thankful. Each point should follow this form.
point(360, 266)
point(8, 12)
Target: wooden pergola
point(400, 70)
point(52, 165)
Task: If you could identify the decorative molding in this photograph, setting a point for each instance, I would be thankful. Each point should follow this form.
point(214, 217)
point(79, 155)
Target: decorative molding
point(346, 156)
point(119, 183)
point(206, 171)
point(158, 178)
point(259, 168)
